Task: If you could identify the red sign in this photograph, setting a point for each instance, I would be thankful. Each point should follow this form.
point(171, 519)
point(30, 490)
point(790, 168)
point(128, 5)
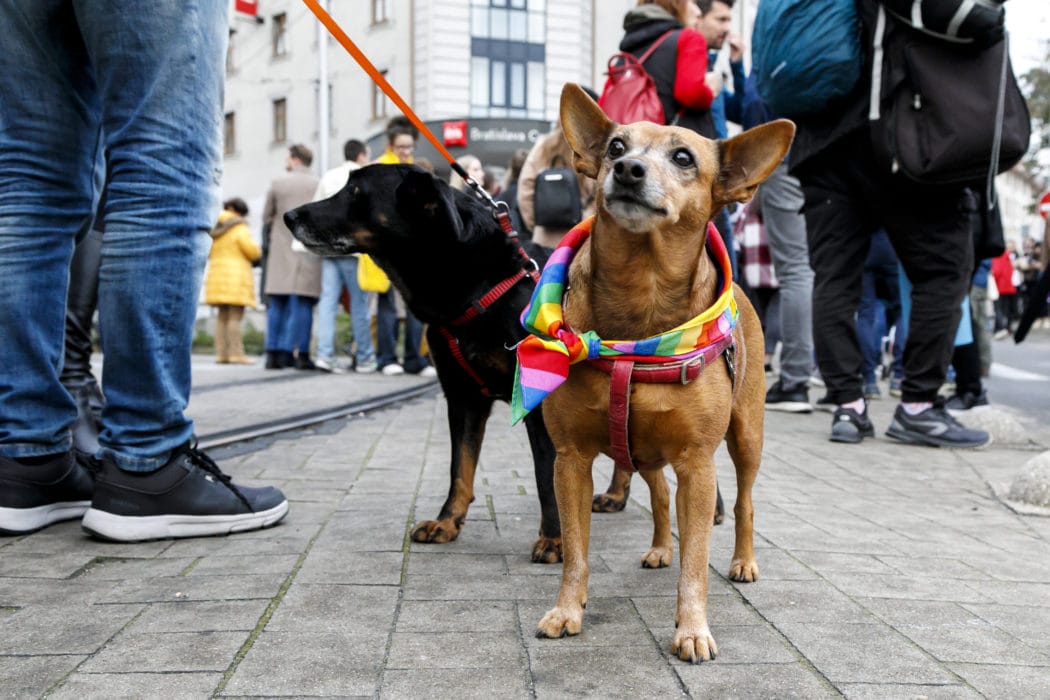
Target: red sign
point(248, 7)
point(1044, 205)
point(454, 133)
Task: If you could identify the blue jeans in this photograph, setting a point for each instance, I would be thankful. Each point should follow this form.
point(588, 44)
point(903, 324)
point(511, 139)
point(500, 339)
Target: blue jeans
point(335, 272)
point(386, 336)
point(881, 291)
point(142, 84)
point(289, 323)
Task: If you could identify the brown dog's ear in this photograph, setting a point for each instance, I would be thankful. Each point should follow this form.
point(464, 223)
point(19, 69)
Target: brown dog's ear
point(586, 128)
point(749, 158)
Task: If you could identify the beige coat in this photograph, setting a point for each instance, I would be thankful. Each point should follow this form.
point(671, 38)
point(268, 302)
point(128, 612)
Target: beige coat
point(288, 271)
point(551, 150)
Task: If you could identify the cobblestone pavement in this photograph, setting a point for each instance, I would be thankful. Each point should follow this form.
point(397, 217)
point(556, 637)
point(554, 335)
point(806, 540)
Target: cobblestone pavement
point(887, 571)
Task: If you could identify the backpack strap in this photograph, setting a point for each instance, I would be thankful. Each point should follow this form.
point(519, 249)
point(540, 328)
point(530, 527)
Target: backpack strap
point(648, 52)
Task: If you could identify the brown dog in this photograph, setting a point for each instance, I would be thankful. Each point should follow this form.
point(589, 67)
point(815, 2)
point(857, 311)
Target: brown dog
point(644, 271)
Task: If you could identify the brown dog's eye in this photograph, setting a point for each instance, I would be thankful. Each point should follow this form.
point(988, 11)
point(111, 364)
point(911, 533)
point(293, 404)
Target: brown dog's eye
point(683, 158)
point(616, 148)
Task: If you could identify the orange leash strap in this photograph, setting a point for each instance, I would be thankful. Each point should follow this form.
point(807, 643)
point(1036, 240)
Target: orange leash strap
point(336, 31)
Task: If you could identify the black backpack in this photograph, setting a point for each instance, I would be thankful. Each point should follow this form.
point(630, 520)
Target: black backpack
point(557, 200)
point(945, 106)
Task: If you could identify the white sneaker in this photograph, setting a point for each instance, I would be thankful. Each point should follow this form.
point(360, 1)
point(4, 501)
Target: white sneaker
point(429, 371)
point(367, 367)
point(392, 370)
point(328, 364)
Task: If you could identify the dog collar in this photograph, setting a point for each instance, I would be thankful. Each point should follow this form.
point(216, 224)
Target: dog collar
point(544, 356)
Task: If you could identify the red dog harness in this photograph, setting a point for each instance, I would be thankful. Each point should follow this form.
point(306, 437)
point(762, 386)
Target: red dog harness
point(477, 308)
point(623, 372)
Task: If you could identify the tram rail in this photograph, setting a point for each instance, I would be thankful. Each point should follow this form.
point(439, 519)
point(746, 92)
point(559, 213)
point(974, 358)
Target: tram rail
point(251, 431)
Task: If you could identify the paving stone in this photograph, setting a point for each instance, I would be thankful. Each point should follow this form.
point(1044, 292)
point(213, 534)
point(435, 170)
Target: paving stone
point(87, 686)
point(458, 650)
point(606, 621)
point(470, 684)
point(167, 652)
point(174, 588)
point(20, 565)
point(1028, 624)
point(864, 653)
point(309, 607)
point(802, 601)
point(909, 587)
point(194, 616)
point(494, 587)
point(73, 628)
point(303, 664)
point(716, 679)
point(1005, 681)
point(347, 567)
point(31, 676)
point(561, 671)
point(726, 610)
point(897, 691)
point(107, 569)
point(741, 644)
point(457, 616)
point(837, 562)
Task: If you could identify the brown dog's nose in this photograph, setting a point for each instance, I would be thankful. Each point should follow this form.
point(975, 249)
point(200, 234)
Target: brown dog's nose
point(629, 171)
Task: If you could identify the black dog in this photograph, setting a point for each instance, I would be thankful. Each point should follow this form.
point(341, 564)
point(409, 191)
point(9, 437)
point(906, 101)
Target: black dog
point(449, 258)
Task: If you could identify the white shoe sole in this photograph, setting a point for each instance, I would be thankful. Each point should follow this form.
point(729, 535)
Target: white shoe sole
point(15, 521)
point(124, 528)
point(790, 407)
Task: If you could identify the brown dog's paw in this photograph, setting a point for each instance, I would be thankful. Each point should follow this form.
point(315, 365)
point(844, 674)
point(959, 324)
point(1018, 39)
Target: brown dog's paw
point(559, 622)
point(607, 503)
point(546, 550)
point(743, 571)
point(695, 645)
point(657, 557)
point(435, 531)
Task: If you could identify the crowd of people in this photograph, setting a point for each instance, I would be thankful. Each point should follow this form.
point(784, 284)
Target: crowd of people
point(838, 254)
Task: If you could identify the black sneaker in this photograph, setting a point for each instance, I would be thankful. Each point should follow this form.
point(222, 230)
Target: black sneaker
point(934, 427)
point(849, 426)
point(792, 398)
point(966, 401)
point(187, 497)
point(824, 403)
point(35, 496)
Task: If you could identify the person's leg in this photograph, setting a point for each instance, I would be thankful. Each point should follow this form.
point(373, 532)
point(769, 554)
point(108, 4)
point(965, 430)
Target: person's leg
point(233, 334)
point(782, 200)
point(222, 338)
point(983, 337)
point(48, 146)
point(278, 335)
point(386, 330)
point(867, 315)
point(302, 327)
point(328, 308)
point(414, 361)
point(161, 86)
point(361, 320)
point(77, 375)
point(930, 230)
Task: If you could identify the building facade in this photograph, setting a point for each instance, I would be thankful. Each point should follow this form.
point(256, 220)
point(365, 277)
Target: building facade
point(449, 60)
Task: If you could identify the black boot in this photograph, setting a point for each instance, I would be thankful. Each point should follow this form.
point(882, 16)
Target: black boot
point(274, 360)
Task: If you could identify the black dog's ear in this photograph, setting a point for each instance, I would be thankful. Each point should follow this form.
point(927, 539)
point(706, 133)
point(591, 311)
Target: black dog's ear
point(421, 199)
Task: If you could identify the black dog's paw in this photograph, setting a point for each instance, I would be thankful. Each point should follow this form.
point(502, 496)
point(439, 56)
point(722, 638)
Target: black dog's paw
point(546, 550)
point(435, 531)
point(606, 503)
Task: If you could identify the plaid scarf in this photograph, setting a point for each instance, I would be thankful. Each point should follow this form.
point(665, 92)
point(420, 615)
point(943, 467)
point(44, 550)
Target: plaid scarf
point(544, 357)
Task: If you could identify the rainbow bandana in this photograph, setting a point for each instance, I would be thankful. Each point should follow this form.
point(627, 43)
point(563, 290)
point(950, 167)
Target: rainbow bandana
point(544, 357)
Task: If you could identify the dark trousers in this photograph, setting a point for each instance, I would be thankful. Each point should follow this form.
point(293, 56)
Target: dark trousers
point(386, 336)
point(848, 198)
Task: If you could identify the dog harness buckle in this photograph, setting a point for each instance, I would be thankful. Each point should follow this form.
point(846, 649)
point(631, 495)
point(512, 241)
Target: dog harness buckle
point(684, 376)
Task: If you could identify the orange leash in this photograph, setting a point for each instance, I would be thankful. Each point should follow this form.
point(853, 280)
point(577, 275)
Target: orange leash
point(336, 31)
point(500, 209)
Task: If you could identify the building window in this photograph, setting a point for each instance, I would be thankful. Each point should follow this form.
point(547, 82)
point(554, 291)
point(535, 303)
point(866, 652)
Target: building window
point(380, 103)
point(229, 134)
point(508, 54)
point(280, 120)
point(379, 11)
point(279, 29)
point(229, 52)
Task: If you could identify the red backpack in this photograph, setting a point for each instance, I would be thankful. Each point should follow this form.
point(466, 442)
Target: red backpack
point(630, 94)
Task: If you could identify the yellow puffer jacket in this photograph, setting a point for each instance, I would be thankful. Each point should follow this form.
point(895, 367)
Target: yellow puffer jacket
point(233, 250)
